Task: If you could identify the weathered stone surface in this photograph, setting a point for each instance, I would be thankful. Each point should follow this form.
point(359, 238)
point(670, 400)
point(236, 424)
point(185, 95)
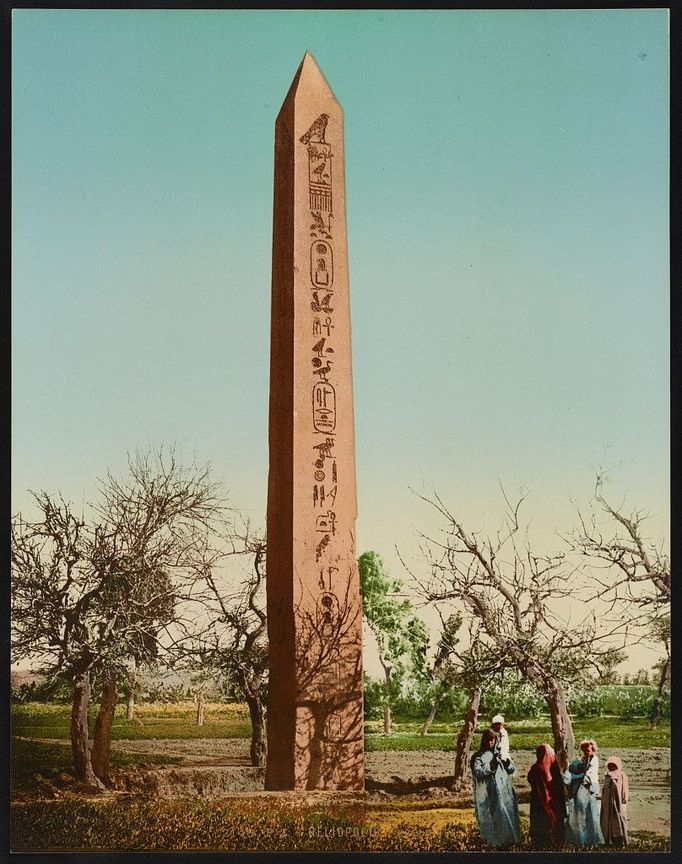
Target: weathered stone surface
point(315, 722)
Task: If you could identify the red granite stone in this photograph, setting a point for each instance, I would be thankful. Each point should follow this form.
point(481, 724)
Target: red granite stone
point(315, 718)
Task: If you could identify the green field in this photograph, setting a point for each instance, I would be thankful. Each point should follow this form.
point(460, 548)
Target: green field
point(156, 720)
point(229, 720)
point(525, 734)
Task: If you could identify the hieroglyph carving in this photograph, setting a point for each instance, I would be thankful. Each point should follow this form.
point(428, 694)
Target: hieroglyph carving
point(319, 168)
point(324, 407)
point(321, 264)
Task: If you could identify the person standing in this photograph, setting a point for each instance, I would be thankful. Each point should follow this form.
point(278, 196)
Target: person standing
point(582, 779)
point(495, 802)
point(497, 726)
point(614, 798)
point(547, 800)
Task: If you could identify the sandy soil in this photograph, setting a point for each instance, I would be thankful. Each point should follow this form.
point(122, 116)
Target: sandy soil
point(212, 768)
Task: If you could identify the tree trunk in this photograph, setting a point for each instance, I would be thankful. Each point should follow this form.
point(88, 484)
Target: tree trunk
point(562, 727)
point(388, 730)
point(465, 737)
point(101, 743)
point(432, 714)
point(656, 707)
point(79, 731)
point(200, 708)
point(259, 746)
point(387, 705)
point(130, 705)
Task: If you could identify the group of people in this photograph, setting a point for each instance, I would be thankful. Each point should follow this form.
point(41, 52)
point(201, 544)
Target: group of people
point(564, 806)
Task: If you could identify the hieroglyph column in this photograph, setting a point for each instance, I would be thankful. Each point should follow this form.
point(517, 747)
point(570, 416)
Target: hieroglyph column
point(315, 720)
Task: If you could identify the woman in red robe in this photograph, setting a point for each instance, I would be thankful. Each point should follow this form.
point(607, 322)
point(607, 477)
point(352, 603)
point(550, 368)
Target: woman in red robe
point(547, 800)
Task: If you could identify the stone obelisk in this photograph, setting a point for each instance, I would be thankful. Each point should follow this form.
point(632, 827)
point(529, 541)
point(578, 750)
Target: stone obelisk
point(315, 712)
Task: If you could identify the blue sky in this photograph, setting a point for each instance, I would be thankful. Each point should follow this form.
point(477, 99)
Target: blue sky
point(507, 205)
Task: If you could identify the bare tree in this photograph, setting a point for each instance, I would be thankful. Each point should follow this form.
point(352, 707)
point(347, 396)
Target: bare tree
point(236, 644)
point(468, 667)
point(53, 588)
point(630, 573)
point(513, 593)
point(87, 596)
point(442, 671)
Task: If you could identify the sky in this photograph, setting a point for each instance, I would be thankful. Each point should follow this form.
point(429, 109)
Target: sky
point(507, 208)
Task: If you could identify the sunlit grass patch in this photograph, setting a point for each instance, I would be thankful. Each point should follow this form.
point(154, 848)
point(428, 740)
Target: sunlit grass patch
point(409, 741)
point(261, 824)
point(255, 824)
point(434, 818)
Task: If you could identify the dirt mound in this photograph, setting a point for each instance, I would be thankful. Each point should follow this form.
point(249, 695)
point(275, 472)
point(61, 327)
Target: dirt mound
point(183, 781)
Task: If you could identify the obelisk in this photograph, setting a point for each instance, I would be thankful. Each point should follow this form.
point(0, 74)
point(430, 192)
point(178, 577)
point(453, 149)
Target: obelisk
point(315, 710)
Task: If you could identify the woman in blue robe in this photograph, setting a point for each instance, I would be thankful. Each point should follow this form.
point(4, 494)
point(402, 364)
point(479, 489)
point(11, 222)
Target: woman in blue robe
point(582, 779)
point(495, 803)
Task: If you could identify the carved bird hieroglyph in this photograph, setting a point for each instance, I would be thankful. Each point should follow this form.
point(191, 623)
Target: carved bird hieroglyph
point(316, 131)
point(318, 224)
point(324, 371)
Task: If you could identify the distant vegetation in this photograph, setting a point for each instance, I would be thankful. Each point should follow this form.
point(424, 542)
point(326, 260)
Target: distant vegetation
point(517, 699)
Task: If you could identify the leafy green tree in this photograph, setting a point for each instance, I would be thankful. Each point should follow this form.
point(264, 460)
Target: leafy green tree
point(402, 639)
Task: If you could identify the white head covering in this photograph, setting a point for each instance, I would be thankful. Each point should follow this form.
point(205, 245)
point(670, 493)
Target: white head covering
point(498, 718)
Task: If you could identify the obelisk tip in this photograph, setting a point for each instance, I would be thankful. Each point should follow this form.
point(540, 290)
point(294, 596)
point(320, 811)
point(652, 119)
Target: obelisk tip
point(308, 77)
point(309, 66)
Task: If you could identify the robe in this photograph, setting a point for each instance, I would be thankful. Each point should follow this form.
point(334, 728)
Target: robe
point(582, 823)
point(547, 800)
point(495, 802)
point(614, 798)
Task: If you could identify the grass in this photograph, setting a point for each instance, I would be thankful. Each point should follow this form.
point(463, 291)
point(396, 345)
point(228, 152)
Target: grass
point(155, 720)
point(524, 734)
point(254, 825)
point(230, 720)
